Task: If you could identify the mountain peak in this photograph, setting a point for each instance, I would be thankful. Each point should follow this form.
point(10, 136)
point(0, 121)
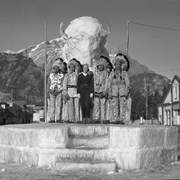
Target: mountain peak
point(9, 52)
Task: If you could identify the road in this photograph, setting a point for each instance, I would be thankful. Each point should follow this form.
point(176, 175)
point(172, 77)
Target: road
point(23, 172)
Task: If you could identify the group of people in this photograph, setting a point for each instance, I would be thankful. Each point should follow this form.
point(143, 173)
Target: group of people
point(78, 94)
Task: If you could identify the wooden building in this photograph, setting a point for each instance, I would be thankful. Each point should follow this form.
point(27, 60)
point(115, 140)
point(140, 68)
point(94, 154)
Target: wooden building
point(169, 109)
point(11, 113)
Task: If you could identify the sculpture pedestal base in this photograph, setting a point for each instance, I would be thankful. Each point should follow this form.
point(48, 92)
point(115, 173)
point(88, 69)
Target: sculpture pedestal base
point(89, 148)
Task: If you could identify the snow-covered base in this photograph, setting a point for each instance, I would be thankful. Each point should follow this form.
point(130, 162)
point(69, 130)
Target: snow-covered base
point(67, 146)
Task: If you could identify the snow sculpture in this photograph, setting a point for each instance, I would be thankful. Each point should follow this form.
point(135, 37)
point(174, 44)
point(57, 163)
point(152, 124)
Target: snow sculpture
point(83, 39)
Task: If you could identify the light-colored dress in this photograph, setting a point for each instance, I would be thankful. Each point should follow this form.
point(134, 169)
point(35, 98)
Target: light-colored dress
point(118, 89)
point(71, 110)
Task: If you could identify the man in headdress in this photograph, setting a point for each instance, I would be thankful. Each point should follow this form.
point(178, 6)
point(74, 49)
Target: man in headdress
point(71, 111)
point(100, 92)
point(54, 90)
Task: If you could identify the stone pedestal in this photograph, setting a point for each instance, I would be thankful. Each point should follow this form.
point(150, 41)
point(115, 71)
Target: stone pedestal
point(103, 147)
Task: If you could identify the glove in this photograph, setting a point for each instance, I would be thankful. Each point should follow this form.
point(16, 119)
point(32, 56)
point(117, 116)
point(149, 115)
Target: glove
point(78, 95)
point(90, 72)
point(52, 92)
point(104, 94)
point(66, 97)
point(91, 95)
point(110, 96)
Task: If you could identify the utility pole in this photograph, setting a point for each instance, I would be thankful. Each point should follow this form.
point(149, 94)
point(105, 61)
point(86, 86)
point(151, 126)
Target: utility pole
point(146, 96)
point(127, 38)
point(45, 73)
point(12, 94)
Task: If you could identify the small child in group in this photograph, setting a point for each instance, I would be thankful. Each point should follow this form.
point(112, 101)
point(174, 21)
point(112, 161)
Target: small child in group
point(54, 89)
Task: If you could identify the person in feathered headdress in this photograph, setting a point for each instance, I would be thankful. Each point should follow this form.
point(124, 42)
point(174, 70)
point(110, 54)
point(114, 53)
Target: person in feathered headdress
point(100, 93)
point(109, 67)
point(54, 91)
point(107, 63)
point(119, 86)
point(77, 64)
point(71, 103)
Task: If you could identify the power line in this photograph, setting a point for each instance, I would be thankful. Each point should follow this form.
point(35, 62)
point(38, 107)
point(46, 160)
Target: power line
point(149, 25)
point(159, 27)
point(175, 69)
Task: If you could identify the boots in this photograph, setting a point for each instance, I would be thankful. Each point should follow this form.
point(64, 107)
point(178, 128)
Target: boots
point(88, 120)
point(84, 120)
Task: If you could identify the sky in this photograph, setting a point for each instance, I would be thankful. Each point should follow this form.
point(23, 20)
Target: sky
point(22, 25)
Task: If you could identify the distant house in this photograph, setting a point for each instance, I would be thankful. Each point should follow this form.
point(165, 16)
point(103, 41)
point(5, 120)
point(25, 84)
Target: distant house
point(38, 113)
point(14, 111)
point(11, 113)
point(6, 115)
point(169, 109)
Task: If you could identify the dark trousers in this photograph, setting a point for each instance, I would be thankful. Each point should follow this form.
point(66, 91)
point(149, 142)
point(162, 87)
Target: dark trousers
point(85, 103)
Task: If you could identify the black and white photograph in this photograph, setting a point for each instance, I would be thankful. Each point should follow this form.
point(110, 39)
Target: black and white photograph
point(89, 89)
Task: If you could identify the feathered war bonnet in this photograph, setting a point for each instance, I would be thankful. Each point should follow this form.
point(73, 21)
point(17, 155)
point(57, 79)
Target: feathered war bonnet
point(58, 62)
point(102, 60)
point(77, 65)
point(123, 60)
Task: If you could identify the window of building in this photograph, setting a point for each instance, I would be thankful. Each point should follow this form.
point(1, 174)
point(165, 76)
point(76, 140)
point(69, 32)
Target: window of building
point(175, 92)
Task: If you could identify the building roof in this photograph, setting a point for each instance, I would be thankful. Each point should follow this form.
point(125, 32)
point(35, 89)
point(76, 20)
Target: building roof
point(20, 103)
point(15, 105)
point(5, 98)
point(10, 110)
point(176, 77)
